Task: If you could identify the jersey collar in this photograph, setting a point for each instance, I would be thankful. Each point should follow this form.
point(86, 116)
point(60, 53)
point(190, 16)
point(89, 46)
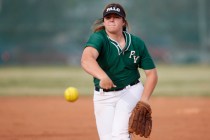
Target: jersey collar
point(116, 44)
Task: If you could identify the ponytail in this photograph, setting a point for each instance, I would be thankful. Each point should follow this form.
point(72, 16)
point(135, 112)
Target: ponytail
point(98, 25)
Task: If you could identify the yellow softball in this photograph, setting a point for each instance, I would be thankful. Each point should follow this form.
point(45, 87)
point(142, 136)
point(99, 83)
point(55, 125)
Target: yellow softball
point(71, 94)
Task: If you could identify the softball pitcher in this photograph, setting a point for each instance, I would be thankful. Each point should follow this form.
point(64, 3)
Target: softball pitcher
point(112, 56)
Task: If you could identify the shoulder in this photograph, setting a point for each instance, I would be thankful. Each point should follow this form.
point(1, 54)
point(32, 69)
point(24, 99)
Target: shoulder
point(137, 40)
point(99, 34)
point(96, 40)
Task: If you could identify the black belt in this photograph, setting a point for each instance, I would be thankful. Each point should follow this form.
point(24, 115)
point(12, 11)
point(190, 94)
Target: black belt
point(118, 89)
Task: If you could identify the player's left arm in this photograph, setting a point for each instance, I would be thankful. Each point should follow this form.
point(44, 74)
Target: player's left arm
point(149, 85)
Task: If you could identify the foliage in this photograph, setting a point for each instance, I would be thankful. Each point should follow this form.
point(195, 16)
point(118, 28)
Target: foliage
point(57, 28)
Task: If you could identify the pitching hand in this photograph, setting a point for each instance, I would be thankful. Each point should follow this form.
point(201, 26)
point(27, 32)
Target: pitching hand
point(106, 83)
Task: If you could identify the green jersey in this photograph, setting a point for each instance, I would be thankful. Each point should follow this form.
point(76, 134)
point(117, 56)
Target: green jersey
point(121, 65)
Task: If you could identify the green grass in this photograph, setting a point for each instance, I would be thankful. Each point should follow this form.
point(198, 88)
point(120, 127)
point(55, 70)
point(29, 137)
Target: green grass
point(174, 80)
point(43, 80)
point(183, 80)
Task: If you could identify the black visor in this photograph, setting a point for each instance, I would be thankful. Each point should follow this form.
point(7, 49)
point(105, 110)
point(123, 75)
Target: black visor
point(114, 10)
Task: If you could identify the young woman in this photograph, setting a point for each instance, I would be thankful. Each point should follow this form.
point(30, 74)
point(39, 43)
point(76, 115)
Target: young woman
point(112, 56)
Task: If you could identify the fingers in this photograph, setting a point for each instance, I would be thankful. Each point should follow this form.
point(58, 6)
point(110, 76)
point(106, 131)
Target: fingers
point(106, 83)
point(114, 86)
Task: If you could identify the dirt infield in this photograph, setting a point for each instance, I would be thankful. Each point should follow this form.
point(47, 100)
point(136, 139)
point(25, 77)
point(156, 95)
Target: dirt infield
point(52, 118)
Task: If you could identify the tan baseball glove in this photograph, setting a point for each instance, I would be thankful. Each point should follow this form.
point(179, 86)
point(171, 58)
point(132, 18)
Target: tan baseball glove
point(140, 121)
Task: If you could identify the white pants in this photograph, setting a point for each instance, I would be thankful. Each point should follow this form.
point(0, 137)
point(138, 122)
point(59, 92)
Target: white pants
point(113, 109)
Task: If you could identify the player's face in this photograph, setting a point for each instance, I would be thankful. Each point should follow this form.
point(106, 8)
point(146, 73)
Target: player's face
point(113, 23)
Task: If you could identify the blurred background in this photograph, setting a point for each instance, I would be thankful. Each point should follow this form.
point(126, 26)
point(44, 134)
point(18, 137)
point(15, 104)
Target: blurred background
point(52, 33)
point(41, 42)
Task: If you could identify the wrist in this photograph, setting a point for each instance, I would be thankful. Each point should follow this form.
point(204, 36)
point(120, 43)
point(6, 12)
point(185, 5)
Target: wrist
point(102, 76)
point(145, 99)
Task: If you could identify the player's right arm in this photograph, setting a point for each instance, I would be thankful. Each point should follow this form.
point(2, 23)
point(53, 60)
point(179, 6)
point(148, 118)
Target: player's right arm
point(91, 66)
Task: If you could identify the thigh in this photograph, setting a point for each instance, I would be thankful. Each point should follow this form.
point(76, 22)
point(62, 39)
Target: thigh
point(123, 111)
point(104, 108)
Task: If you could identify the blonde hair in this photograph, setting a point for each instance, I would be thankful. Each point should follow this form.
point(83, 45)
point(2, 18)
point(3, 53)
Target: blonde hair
point(98, 24)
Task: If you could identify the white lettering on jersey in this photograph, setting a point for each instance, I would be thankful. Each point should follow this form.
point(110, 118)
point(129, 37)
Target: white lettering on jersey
point(132, 53)
point(113, 9)
point(135, 58)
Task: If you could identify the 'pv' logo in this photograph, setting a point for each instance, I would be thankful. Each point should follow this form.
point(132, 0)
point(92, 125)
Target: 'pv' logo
point(135, 58)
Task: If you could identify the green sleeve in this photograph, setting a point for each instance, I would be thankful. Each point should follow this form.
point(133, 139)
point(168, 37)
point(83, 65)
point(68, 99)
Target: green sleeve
point(146, 61)
point(95, 41)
